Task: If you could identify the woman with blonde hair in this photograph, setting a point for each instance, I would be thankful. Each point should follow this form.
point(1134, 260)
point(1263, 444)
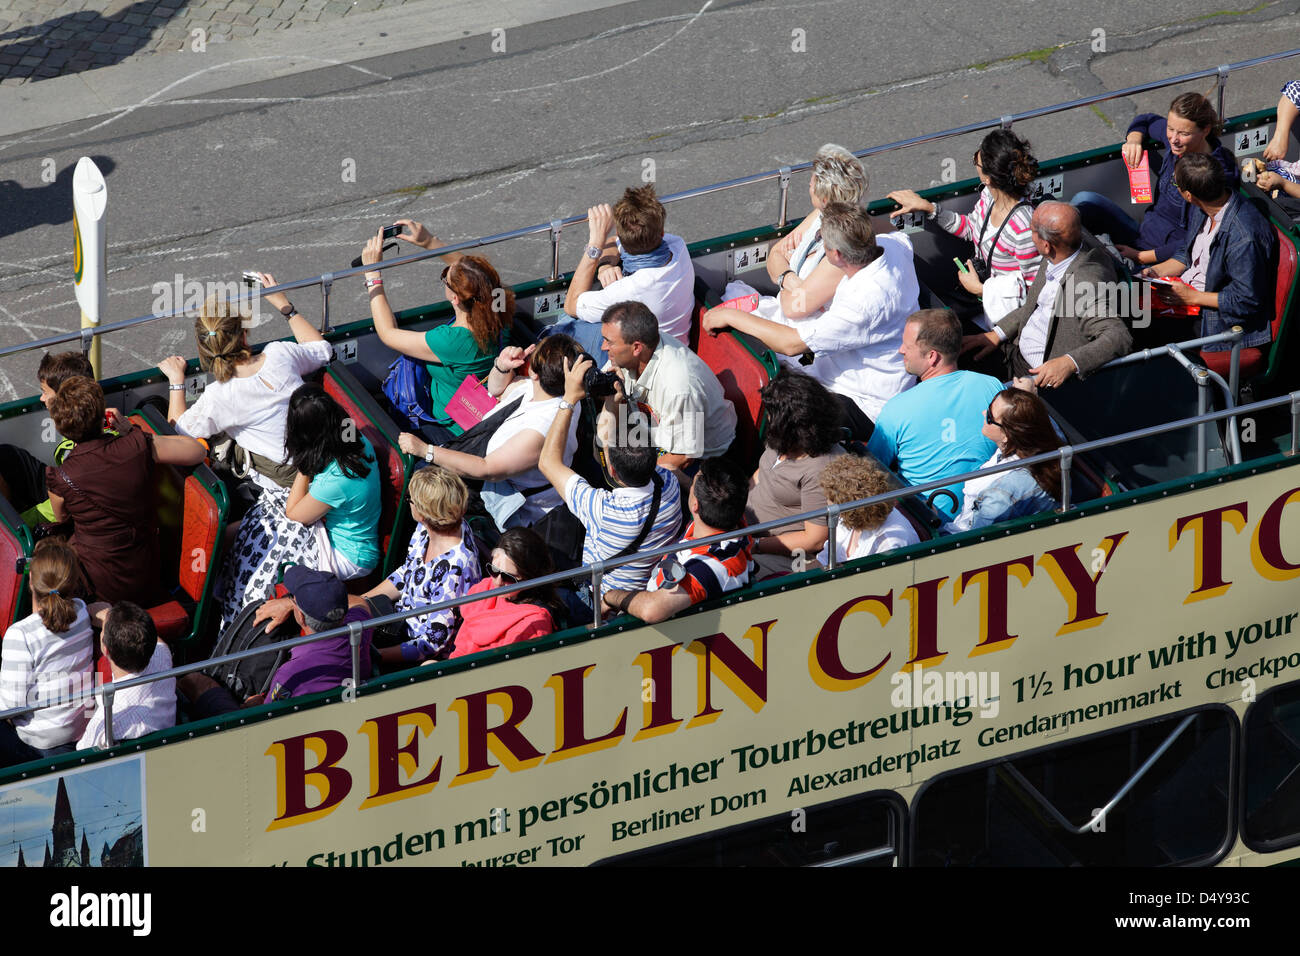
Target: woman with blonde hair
point(248, 397)
point(805, 280)
point(484, 310)
point(441, 563)
point(248, 402)
point(870, 529)
point(48, 658)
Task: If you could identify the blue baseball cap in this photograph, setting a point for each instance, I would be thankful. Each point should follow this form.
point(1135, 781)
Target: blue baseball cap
point(318, 594)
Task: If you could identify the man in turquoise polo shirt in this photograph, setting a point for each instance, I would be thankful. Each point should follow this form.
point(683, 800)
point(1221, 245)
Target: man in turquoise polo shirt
point(933, 430)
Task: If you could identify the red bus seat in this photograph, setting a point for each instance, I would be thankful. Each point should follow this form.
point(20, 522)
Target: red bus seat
point(191, 519)
point(15, 549)
point(1258, 361)
point(742, 375)
point(394, 469)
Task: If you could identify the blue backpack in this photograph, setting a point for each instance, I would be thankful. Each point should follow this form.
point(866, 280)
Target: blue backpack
point(407, 389)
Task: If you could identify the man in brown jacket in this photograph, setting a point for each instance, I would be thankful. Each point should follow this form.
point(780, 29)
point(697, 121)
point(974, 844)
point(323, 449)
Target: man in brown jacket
point(1066, 326)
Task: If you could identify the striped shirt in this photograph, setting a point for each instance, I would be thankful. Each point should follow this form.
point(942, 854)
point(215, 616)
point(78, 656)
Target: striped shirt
point(711, 569)
point(40, 666)
point(1015, 251)
point(613, 520)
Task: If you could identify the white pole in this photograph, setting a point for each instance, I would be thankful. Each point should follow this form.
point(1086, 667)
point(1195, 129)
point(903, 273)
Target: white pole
point(89, 253)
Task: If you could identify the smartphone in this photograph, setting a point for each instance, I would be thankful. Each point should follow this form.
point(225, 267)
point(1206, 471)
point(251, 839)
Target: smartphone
point(961, 266)
point(391, 232)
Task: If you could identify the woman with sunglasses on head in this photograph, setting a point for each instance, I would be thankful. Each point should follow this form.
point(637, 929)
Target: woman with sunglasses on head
point(248, 397)
point(998, 225)
point(483, 308)
point(441, 563)
point(526, 615)
point(1018, 423)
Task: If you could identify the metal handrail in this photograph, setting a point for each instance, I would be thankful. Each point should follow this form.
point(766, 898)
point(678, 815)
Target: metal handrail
point(1065, 455)
point(1100, 815)
point(556, 226)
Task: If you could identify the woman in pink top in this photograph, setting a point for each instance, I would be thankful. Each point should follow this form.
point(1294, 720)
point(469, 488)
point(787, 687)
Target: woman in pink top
point(520, 555)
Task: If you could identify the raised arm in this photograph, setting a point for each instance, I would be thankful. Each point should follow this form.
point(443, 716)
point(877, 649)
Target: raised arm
point(174, 368)
point(303, 331)
point(551, 461)
point(399, 340)
point(600, 220)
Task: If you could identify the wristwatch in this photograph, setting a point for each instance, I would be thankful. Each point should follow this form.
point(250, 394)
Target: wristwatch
point(428, 454)
point(933, 212)
point(593, 252)
point(564, 405)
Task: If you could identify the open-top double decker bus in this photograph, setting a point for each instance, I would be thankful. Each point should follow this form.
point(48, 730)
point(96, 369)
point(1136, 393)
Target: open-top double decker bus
point(1114, 683)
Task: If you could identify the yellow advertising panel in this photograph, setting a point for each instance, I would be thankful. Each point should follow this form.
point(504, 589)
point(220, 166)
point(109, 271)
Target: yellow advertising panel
point(864, 681)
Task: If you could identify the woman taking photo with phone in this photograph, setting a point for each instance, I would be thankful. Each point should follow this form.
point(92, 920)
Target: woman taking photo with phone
point(466, 346)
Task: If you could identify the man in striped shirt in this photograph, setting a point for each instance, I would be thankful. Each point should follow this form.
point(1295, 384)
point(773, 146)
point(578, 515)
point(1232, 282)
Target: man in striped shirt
point(695, 574)
point(644, 510)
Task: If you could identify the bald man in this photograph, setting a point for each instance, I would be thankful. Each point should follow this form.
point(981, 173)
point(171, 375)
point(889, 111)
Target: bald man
point(1066, 326)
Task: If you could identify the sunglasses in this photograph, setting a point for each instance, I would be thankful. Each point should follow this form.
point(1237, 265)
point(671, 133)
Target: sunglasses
point(988, 417)
point(443, 277)
point(495, 572)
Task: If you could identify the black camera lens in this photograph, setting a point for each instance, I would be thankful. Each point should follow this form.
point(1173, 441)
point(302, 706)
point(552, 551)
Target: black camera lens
point(598, 384)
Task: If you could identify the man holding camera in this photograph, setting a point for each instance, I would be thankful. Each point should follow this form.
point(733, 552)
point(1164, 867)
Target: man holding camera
point(690, 418)
point(644, 510)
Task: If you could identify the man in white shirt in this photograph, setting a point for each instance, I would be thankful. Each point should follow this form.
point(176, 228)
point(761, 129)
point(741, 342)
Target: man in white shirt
point(130, 642)
point(1065, 327)
point(855, 342)
point(690, 418)
point(643, 264)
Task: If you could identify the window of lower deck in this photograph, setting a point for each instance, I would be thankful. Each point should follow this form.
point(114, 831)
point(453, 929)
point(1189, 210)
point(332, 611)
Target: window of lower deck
point(1272, 754)
point(1009, 813)
point(856, 831)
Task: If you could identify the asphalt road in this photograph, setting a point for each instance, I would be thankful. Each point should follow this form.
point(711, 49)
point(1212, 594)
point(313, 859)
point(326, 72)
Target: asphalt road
point(475, 141)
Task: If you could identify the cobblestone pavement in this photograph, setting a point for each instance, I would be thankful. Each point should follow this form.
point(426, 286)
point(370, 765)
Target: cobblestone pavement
point(45, 38)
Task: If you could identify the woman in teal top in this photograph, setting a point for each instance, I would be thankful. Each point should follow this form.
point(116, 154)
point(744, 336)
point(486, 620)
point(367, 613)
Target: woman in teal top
point(337, 486)
point(467, 346)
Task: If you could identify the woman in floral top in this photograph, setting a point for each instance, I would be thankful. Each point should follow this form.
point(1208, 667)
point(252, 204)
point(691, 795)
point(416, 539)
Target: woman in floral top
point(441, 564)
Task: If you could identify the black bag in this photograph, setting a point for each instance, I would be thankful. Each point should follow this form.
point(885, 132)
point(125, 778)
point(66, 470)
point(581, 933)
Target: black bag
point(390, 635)
point(564, 534)
point(983, 270)
point(475, 440)
point(245, 678)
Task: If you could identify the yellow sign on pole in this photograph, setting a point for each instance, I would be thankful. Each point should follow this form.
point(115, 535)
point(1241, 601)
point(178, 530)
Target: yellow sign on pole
point(89, 250)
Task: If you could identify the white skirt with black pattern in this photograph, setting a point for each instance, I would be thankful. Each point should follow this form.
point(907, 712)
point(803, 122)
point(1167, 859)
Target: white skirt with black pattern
point(267, 539)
